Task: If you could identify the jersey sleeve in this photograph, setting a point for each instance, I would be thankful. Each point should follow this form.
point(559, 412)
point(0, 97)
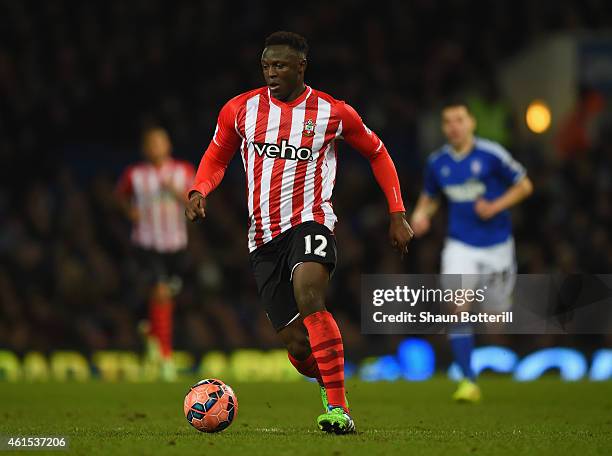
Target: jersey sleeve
point(368, 144)
point(510, 170)
point(219, 152)
point(431, 187)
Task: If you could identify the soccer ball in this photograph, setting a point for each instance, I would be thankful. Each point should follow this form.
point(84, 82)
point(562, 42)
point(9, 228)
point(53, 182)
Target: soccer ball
point(210, 405)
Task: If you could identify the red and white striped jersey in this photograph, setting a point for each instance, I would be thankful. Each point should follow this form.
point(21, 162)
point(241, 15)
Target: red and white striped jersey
point(289, 154)
point(161, 225)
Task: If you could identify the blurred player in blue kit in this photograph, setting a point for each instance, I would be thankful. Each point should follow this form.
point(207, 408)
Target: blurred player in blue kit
point(481, 182)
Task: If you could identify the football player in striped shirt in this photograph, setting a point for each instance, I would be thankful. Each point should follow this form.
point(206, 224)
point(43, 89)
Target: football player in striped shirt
point(287, 134)
point(481, 182)
point(153, 194)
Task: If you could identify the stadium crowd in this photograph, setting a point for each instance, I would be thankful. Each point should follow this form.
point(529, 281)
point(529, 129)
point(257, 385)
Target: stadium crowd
point(79, 81)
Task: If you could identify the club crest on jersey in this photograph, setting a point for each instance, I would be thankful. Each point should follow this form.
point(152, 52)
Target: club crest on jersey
point(309, 128)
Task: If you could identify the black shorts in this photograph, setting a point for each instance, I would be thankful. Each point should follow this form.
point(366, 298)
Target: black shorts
point(161, 267)
point(273, 264)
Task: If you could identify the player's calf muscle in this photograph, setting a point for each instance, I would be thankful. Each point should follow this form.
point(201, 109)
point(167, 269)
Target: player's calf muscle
point(295, 339)
point(299, 348)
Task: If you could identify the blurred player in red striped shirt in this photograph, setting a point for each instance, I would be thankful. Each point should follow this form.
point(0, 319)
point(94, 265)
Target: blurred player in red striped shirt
point(286, 132)
point(153, 194)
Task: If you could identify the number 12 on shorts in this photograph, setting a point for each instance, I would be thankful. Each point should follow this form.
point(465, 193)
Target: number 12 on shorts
point(320, 250)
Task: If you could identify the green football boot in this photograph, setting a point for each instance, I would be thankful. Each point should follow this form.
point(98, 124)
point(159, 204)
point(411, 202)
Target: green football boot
point(336, 420)
point(326, 403)
point(467, 392)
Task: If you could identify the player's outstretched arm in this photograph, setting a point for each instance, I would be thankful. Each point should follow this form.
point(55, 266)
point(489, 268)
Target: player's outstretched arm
point(515, 194)
point(209, 176)
point(370, 146)
point(214, 163)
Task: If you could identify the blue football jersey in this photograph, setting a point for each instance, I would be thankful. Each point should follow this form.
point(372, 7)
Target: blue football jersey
point(486, 172)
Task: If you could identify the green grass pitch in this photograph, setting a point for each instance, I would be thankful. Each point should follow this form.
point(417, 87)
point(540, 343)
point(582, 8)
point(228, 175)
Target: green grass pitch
point(543, 417)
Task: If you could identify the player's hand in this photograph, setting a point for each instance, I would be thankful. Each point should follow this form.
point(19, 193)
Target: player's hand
point(400, 232)
point(196, 207)
point(420, 223)
point(485, 209)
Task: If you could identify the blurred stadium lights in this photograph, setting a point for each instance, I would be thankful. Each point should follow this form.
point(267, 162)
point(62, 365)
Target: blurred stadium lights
point(558, 83)
point(384, 368)
point(498, 359)
point(538, 116)
point(571, 363)
point(601, 368)
point(415, 361)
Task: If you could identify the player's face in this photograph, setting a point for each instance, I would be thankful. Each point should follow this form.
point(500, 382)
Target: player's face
point(157, 146)
point(458, 125)
point(283, 69)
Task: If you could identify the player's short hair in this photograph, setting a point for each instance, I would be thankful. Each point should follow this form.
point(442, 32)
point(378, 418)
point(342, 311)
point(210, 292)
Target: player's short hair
point(455, 102)
point(291, 39)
